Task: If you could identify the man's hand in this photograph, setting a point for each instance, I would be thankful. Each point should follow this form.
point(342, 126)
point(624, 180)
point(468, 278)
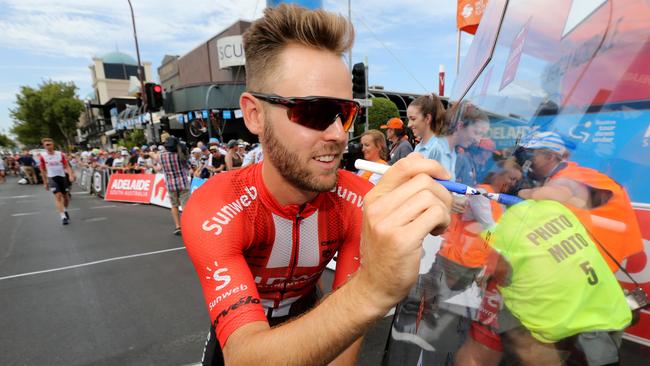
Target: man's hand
point(405, 206)
point(73, 178)
point(47, 187)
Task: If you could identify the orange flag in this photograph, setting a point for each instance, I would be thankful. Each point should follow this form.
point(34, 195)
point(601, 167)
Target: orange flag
point(469, 13)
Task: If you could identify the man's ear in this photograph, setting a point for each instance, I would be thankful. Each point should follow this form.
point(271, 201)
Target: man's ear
point(252, 111)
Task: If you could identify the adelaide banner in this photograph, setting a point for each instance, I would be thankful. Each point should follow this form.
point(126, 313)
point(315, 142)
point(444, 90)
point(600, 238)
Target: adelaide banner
point(130, 188)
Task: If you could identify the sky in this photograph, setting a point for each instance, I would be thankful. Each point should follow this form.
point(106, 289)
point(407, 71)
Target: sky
point(405, 41)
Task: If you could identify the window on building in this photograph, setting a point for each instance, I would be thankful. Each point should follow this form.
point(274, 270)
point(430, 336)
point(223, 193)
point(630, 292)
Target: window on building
point(120, 71)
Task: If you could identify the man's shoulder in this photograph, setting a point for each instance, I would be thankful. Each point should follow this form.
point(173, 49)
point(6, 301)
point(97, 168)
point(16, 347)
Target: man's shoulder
point(225, 186)
point(230, 194)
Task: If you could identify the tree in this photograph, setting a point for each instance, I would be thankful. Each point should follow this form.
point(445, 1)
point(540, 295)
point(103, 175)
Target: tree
point(5, 141)
point(381, 111)
point(50, 110)
point(133, 138)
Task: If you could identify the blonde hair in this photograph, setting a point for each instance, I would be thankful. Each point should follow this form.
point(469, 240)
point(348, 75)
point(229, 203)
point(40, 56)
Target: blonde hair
point(290, 24)
point(379, 140)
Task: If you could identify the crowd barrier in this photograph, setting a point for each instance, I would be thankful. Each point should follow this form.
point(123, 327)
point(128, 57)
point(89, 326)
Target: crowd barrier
point(93, 180)
point(142, 188)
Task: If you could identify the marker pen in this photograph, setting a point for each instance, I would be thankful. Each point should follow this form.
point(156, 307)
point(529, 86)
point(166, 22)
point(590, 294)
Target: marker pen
point(504, 199)
point(455, 187)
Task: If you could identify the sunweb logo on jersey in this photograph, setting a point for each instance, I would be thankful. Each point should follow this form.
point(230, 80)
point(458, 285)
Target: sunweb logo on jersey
point(216, 274)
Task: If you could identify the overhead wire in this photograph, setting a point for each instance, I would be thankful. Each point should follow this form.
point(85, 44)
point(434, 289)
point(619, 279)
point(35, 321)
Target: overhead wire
point(360, 18)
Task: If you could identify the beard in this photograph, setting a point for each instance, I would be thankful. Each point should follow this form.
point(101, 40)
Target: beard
point(291, 166)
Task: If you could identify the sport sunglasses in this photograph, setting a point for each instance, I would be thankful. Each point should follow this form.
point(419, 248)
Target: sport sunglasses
point(315, 112)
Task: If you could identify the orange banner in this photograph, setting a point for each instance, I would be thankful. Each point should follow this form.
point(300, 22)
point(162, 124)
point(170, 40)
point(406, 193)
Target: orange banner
point(468, 14)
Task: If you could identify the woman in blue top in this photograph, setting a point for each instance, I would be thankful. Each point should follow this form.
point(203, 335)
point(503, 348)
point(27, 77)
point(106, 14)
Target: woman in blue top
point(471, 125)
point(426, 118)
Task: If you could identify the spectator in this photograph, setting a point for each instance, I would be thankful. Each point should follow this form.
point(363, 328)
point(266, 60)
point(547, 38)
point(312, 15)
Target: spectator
point(233, 160)
point(145, 163)
point(195, 160)
point(132, 163)
point(2, 169)
point(400, 145)
point(163, 137)
point(120, 161)
point(254, 156)
point(217, 161)
point(373, 146)
point(176, 178)
point(27, 164)
point(426, 117)
point(473, 163)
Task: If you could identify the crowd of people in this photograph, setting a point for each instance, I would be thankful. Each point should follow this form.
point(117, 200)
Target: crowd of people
point(264, 232)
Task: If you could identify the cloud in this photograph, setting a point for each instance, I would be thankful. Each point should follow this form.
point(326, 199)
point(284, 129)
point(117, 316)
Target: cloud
point(80, 29)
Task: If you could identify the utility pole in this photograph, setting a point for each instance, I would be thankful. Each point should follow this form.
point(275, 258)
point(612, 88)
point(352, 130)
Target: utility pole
point(143, 95)
point(350, 21)
point(367, 107)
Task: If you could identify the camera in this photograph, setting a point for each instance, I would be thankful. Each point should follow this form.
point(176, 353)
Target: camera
point(351, 154)
point(637, 298)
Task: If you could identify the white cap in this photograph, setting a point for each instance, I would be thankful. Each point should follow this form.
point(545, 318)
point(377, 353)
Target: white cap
point(545, 140)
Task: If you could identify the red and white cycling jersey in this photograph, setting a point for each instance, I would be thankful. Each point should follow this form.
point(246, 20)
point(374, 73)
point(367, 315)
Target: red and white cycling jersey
point(54, 163)
point(252, 255)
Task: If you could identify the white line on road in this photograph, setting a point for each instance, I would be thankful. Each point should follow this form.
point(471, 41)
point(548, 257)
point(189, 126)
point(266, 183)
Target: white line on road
point(89, 263)
point(23, 196)
point(95, 219)
point(74, 209)
point(107, 206)
point(26, 201)
point(75, 193)
point(25, 214)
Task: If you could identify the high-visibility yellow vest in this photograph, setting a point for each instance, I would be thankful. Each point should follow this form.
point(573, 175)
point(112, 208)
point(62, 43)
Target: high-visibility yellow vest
point(559, 283)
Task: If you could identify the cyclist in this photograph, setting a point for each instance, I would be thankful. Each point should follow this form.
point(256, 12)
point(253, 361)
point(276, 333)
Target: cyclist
point(54, 166)
point(260, 237)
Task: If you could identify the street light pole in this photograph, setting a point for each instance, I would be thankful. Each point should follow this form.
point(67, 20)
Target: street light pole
point(137, 52)
point(143, 95)
point(207, 98)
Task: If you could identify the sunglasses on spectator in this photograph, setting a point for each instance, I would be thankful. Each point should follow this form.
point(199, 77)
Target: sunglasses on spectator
point(315, 112)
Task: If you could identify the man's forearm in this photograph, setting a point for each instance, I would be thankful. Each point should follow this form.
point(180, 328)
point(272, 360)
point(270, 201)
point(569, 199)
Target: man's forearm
point(318, 337)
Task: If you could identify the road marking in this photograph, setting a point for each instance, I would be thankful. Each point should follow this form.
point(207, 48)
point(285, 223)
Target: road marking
point(95, 219)
point(23, 196)
point(26, 201)
point(25, 214)
point(76, 193)
point(74, 209)
point(107, 206)
point(134, 204)
point(89, 263)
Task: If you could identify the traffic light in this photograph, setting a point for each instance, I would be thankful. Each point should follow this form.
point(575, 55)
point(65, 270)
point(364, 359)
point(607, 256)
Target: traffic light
point(164, 123)
point(359, 81)
point(154, 95)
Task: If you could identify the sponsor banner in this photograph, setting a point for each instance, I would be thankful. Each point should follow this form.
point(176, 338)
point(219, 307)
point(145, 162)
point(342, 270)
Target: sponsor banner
point(159, 196)
point(638, 266)
point(196, 183)
point(130, 187)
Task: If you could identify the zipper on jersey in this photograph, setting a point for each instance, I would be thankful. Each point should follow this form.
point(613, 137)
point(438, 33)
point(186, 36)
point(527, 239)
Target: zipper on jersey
point(295, 249)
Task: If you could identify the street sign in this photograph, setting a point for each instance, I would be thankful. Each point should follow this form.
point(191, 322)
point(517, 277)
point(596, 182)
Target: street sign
point(365, 102)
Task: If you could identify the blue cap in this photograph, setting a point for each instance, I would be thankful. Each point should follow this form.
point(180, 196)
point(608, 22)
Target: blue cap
point(213, 140)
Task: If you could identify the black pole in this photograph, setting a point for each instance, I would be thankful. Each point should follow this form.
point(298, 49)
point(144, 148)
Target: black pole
point(143, 95)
